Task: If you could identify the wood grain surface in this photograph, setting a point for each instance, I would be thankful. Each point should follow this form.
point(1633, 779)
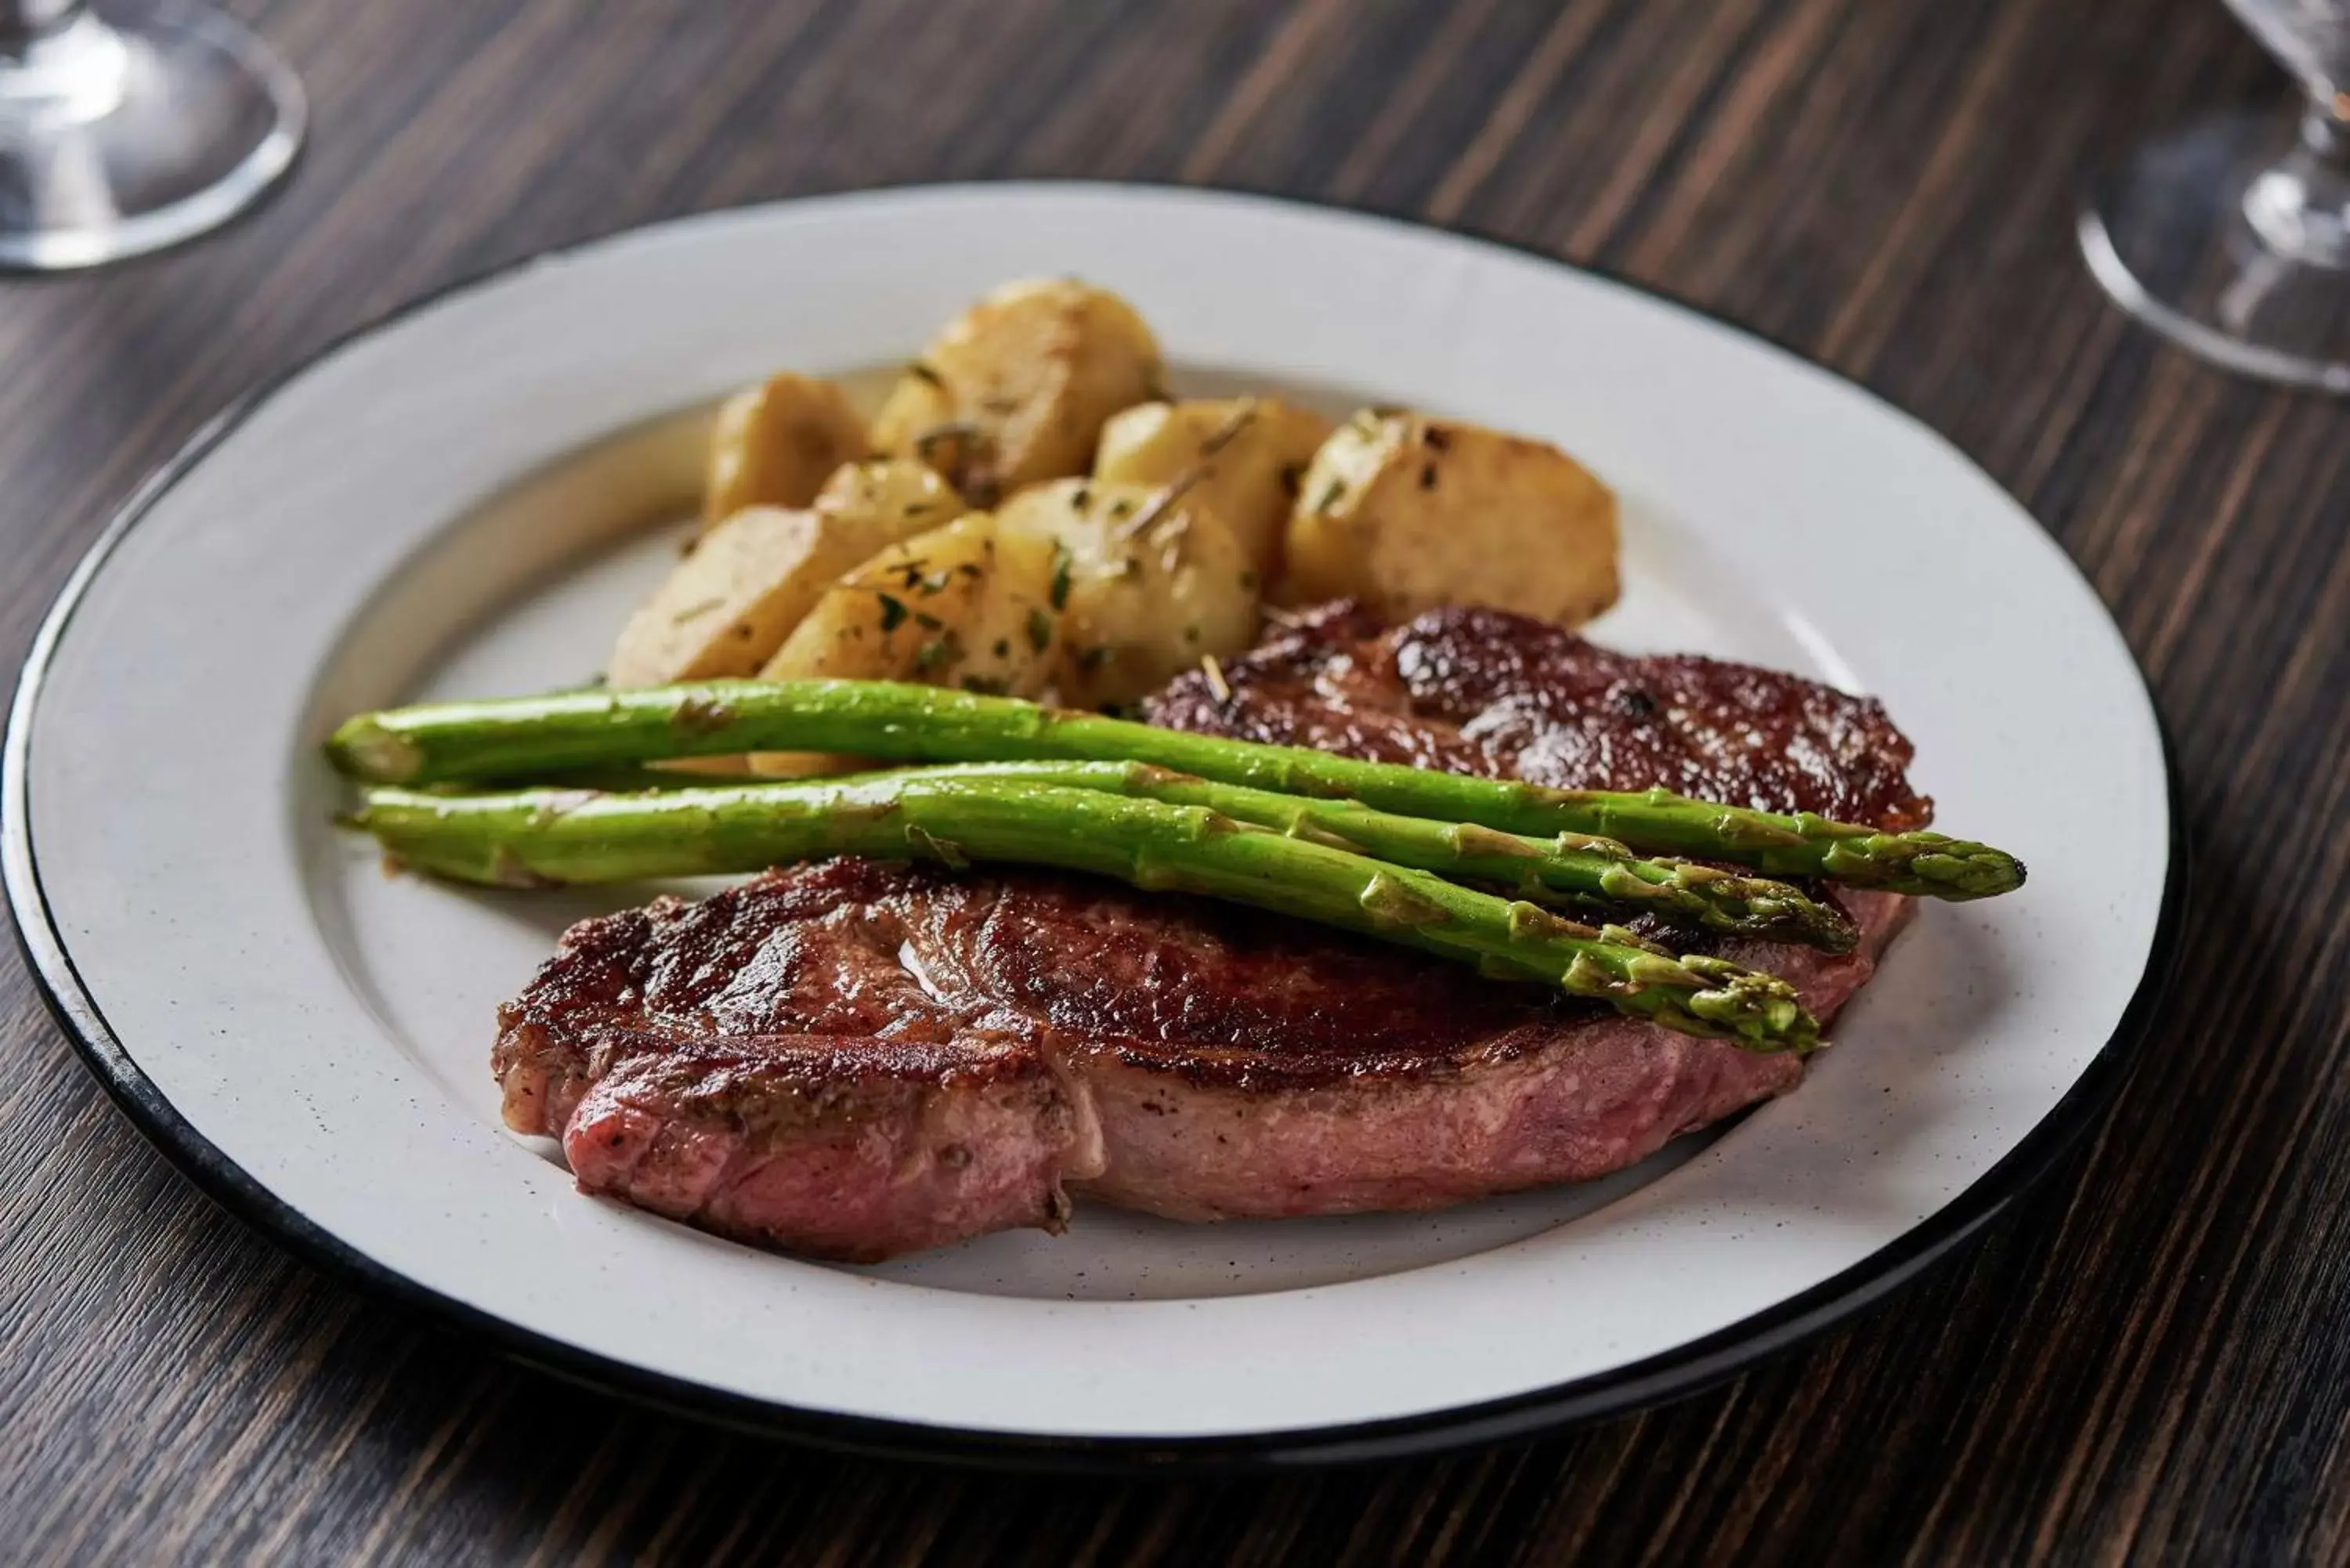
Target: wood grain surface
point(2145, 1361)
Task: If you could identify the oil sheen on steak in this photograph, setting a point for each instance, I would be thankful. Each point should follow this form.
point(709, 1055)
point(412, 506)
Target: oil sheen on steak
point(855, 1060)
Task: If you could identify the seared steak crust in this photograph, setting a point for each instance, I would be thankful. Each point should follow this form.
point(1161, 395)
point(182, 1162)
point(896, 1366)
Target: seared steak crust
point(1472, 691)
point(855, 1060)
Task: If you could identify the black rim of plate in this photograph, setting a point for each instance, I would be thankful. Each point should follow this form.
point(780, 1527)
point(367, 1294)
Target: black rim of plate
point(1684, 1370)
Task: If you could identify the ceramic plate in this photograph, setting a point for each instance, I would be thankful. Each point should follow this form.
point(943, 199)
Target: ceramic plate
point(466, 500)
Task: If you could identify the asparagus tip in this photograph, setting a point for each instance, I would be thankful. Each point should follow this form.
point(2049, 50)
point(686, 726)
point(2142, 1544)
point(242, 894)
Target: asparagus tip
point(1760, 1011)
point(1958, 869)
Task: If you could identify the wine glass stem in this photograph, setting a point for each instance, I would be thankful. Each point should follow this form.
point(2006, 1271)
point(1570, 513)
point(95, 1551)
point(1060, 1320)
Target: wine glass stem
point(2299, 205)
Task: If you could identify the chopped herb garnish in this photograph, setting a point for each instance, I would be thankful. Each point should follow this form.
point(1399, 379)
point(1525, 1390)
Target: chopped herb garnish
point(893, 614)
point(1062, 562)
point(958, 450)
point(1003, 648)
point(1040, 630)
point(927, 622)
point(1331, 492)
point(1222, 437)
point(1093, 658)
point(932, 655)
point(945, 849)
point(922, 371)
point(1427, 476)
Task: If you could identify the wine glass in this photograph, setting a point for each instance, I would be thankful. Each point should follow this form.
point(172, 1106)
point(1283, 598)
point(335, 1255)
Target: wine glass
point(124, 133)
point(2232, 236)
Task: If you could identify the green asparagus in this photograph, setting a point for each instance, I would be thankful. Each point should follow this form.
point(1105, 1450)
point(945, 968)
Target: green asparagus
point(1571, 869)
point(531, 737)
point(551, 837)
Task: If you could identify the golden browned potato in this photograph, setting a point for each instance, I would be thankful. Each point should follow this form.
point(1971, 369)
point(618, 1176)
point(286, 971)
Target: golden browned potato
point(775, 445)
point(1404, 512)
point(967, 605)
point(1148, 582)
point(1242, 458)
point(893, 498)
point(728, 606)
point(1015, 389)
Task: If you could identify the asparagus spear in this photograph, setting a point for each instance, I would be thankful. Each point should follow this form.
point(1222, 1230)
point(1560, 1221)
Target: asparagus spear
point(550, 837)
point(532, 736)
point(1570, 869)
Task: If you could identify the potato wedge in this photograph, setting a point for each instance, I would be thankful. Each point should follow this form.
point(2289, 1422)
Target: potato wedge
point(728, 606)
point(775, 444)
point(892, 498)
point(1016, 388)
point(967, 605)
point(1404, 512)
point(888, 499)
point(1148, 582)
point(1244, 459)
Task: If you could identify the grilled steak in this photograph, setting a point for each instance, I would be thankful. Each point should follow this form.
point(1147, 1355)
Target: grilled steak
point(1472, 691)
point(854, 1060)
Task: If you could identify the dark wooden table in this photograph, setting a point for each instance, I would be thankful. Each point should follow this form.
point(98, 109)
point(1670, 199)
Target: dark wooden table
point(2146, 1360)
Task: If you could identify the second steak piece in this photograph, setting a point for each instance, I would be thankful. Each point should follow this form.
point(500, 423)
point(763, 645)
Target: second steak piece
point(1472, 691)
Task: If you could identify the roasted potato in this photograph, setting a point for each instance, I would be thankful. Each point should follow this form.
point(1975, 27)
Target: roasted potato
point(1016, 388)
point(892, 498)
point(967, 605)
point(728, 606)
point(1404, 512)
point(775, 445)
point(1147, 580)
point(1242, 458)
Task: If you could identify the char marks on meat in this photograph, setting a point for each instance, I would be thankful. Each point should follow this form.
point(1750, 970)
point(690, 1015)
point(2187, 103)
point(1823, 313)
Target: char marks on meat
point(855, 1060)
point(1474, 691)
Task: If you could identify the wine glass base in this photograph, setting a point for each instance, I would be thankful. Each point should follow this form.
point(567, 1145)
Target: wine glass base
point(123, 136)
point(2167, 235)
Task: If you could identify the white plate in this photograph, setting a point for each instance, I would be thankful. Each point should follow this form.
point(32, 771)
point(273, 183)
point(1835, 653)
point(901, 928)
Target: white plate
point(310, 1039)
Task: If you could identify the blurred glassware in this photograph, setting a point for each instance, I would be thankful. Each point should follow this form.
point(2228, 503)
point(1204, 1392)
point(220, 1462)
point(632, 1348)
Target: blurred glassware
point(126, 133)
point(2232, 236)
